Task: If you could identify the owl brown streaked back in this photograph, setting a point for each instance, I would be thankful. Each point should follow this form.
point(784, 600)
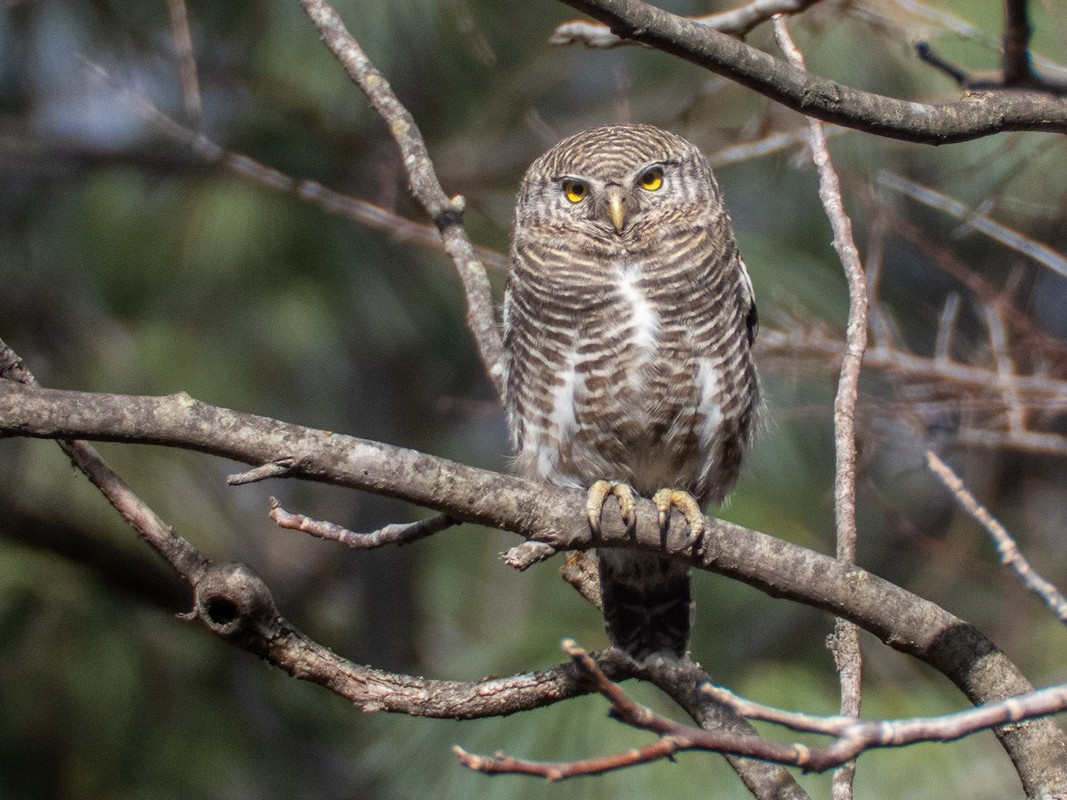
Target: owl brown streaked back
point(628, 325)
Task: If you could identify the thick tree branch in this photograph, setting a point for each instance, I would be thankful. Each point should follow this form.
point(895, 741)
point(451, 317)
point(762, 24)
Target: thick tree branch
point(236, 604)
point(556, 516)
point(975, 116)
point(735, 22)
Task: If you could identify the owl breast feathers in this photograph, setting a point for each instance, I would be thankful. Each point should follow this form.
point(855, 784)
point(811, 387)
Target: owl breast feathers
point(628, 324)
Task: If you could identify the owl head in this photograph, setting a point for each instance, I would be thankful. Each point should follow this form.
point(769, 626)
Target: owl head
point(617, 184)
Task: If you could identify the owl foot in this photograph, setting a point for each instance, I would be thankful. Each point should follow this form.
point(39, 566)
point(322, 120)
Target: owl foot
point(594, 504)
point(687, 504)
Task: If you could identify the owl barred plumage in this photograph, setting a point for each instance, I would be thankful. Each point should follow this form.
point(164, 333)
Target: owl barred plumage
point(628, 323)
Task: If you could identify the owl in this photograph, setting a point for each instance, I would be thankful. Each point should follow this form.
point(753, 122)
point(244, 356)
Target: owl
point(629, 320)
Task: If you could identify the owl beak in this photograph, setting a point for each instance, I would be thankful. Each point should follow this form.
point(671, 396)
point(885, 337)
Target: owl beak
point(616, 208)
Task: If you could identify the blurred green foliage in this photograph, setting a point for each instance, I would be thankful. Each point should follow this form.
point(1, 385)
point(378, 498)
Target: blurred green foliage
point(128, 265)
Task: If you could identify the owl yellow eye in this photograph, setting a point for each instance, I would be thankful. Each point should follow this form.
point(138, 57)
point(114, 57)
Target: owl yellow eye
point(651, 179)
point(576, 191)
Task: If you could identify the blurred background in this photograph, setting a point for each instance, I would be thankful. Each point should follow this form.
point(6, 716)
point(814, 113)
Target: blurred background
point(130, 263)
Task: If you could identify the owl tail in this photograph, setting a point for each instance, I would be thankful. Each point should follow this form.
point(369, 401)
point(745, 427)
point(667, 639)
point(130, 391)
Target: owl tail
point(647, 605)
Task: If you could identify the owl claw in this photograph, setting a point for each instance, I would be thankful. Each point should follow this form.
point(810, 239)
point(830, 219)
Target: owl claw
point(687, 504)
point(594, 504)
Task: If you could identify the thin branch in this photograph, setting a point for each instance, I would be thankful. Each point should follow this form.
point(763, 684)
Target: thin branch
point(446, 213)
point(946, 328)
point(1040, 253)
point(738, 22)
point(984, 290)
point(945, 377)
point(866, 734)
point(1052, 444)
point(973, 117)
point(844, 643)
point(1007, 548)
point(1016, 65)
point(243, 166)
point(772, 143)
point(399, 534)
point(185, 559)
point(1005, 366)
point(183, 51)
point(852, 736)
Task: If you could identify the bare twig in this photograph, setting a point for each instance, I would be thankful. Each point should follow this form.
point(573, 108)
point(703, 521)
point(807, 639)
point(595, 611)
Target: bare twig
point(183, 51)
point(866, 734)
point(984, 290)
point(852, 736)
point(844, 643)
point(332, 202)
point(738, 22)
point(1007, 547)
point(956, 74)
point(1016, 65)
point(998, 342)
point(772, 143)
point(1040, 253)
point(973, 117)
point(446, 213)
point(186, 560)
point(971, 385)
point(946, 328)
point(399, 534)
point(281, 468)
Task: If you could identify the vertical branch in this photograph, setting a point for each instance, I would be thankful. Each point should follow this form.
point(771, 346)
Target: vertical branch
point(446, 213)
point(1016, 59)
point(1006, 377)
point(183, 50)
point(844, 642)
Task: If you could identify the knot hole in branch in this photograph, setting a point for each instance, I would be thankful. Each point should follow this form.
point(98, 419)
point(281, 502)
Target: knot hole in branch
point(236, 604)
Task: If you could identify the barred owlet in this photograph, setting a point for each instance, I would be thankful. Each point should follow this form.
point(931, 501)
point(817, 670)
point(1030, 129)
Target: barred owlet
point(628, 323)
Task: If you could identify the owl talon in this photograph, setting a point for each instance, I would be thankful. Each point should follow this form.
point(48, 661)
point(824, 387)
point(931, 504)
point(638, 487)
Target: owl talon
point(665, 499)
point(594, 504)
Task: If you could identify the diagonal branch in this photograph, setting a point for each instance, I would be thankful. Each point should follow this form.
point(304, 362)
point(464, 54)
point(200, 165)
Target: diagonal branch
point(851, 736)
point(845, 641)
point(556, 517)
point(1007, 547)
point(973, 117)
point(736, 22)
point(446, 213)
